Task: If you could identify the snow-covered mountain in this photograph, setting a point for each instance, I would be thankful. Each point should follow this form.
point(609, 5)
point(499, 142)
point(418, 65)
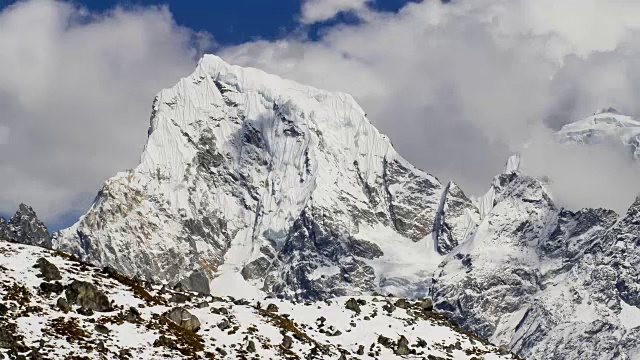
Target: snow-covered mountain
point(249, 177)
point(547, 282)
point(605, 126)
point(54, 307)
point(251, 185)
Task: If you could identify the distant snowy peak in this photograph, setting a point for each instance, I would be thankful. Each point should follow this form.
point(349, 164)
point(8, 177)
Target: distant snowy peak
point(605, 126)
point(249, 176)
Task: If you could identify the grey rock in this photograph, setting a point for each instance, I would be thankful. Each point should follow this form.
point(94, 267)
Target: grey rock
point(49, 271)
point(403, 346)
point(63, 305)
point(251, 346)
point(49, 288)
point(272, 308)
point(25, 228)
point(183, 318)
point(102, 329)
point(353, 305)
point(426, 305)
point(402, 303)
point(197, 281)
point(287, 342)
point(87, 295)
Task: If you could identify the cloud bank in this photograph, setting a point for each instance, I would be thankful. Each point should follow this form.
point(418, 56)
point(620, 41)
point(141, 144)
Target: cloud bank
point(75, 92)
point(460, 86)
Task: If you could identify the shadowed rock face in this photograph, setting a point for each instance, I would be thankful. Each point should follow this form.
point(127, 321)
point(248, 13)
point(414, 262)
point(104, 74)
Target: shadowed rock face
point(25, 228)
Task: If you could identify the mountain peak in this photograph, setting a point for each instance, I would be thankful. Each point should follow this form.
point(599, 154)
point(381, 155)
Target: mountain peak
point(284, 186)
point(607, 110)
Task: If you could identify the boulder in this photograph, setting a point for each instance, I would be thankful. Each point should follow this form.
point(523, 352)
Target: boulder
point(403, 346)
point(402, 304)
point(63, 305)
point(272, 308)
point(426, 305)
point(352, 304)
point(183, 318)
point(287, 342)
point(49, 288)
point(49, 271)
point(86, 295)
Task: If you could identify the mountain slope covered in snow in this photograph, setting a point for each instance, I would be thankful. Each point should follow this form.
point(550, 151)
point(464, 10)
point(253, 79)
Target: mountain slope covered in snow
point(54, 307)
point(606, 126)
point(249, 176)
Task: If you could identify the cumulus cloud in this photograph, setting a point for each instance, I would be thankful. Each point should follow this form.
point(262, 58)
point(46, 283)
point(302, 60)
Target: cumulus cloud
point(76, 89)
point(321, 10)
point(457, 86)
point(460, 86)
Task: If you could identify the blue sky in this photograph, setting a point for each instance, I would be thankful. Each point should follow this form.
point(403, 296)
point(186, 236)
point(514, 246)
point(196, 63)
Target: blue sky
point(238, 21)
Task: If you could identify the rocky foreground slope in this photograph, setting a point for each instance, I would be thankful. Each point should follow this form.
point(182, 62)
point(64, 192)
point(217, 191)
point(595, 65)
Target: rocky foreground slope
point(54, 307)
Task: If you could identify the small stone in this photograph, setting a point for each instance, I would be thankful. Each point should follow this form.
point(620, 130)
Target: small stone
point(102, 329)
point(388, 308)
point(402, 304)
point(165, 341)
point(272, 308)
point(352, 304)
point(360, 350)
point(224, 325)
point(251, 346)
point(49, 288)
point(180, 298)
point(132, 315)
point(84, 311)
point(287, 342)
point(403, 346)
point(63, 305)
point(202, 305)
point(385, 341)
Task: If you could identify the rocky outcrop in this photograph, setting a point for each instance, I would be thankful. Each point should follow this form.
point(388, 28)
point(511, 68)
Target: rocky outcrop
point(25, 228)
point(86, 295)
point(183, 318)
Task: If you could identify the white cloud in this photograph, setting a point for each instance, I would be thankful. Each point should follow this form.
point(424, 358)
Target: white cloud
point(75, 92)
point(460, 86)
point(321, 10)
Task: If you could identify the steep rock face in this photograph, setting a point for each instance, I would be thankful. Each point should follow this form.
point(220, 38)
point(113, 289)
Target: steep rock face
point(25, 228)
point(547, 282)
point(248, 174)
